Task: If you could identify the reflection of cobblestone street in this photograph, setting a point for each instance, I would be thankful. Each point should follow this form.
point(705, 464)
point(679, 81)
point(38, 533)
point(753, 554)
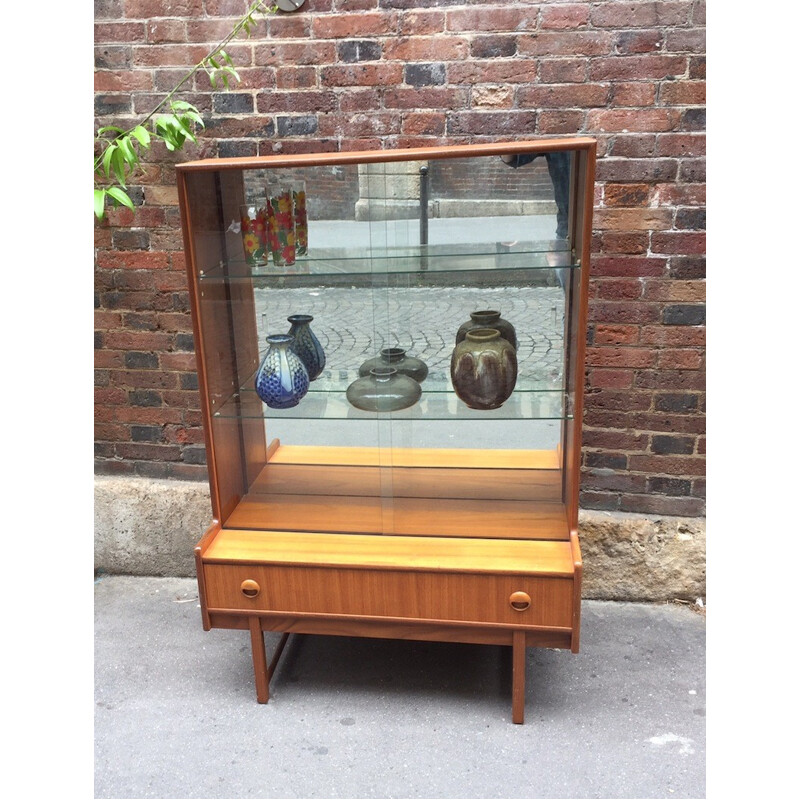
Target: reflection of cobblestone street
point(353, 324)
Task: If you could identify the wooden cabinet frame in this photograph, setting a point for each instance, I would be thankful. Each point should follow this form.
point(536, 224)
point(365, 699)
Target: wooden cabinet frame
point(495, 562)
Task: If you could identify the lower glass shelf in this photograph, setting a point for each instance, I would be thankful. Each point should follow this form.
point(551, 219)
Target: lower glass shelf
point(528, 404)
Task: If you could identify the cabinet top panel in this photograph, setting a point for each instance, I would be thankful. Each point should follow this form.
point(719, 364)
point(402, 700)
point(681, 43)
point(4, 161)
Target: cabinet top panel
point(552, 558)
point(376, 156)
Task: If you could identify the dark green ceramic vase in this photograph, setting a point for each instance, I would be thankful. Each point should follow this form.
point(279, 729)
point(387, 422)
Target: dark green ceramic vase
point(384, 389)
point(483, 369)
point(398, 358)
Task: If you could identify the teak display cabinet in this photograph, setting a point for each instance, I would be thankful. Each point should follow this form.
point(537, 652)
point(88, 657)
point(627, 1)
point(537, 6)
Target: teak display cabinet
point(434, 522)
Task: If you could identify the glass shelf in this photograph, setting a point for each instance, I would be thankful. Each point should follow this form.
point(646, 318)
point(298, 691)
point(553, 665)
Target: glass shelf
point(437, 259)
point(442, 404)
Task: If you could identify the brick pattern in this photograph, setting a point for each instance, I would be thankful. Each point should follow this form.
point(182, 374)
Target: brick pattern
point(356, 74)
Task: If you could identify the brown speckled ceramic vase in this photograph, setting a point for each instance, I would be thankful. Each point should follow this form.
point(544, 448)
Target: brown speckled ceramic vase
point(488, 319)
point(483, 369)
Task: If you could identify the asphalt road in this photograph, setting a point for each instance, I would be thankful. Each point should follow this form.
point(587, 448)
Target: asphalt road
point(176, 714)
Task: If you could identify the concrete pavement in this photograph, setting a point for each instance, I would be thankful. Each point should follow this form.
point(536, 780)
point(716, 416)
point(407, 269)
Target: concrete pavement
point(176, 715)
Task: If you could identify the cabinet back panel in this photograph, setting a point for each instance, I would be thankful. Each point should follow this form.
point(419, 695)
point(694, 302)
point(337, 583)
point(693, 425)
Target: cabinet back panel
point(474, 483)
point(512, 519)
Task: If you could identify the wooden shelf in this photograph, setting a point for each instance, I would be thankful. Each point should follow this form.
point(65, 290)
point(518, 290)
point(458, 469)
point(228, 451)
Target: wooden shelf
point(414, 457)
point(524, 475)
point(406, 492)
point(403, 516)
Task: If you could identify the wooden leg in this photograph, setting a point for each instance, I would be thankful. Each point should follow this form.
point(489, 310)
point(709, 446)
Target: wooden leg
point(518, 677)
point(276, 655)
point(259, 660)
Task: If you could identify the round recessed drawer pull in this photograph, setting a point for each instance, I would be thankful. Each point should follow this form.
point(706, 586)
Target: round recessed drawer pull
point(250, 588)
point(519, 601)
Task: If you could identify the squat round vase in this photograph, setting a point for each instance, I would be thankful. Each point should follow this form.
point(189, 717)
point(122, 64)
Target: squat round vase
point(488, 319)
point(383, 389)
point(398, 358)
point(281, 379)
point(483, 369)
point(306, 345)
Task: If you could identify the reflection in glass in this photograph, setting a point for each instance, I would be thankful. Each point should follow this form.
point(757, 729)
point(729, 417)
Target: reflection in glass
point(253, 221)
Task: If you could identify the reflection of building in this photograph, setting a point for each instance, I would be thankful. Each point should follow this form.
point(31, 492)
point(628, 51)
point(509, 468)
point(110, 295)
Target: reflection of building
point(389, 190)
point(392, 190)
point(330, 194)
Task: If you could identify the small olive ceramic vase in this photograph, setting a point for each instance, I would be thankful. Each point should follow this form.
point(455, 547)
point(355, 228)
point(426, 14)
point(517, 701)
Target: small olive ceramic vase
point(306, 344)
point(281, 379)
point(398, 358)
point(483, 369)
point(488, 319)
point(384, 389)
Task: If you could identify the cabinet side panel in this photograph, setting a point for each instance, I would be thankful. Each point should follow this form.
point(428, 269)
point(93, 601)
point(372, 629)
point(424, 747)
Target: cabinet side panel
point(578, 583)
point(213, 338)
point(244, 332)
point(576, 346)
point(199, 551)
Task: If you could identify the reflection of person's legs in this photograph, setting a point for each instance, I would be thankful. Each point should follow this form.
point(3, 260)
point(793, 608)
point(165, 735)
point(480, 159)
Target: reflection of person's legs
point(558, 167)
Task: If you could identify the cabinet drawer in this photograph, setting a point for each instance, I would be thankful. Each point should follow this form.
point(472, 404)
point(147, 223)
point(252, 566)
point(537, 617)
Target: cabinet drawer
point(391, 593)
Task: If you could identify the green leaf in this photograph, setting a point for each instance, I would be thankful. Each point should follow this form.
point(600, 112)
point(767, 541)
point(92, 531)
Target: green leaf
point(99, 203)
point(212, 76)
point(142, 135)
point(109, 128)
point(107, 155)
point(195, 117)
point(214, 63)
point(128, 153)
point(118, 165)
point(226, 58)
point(165, 126)
point(180, 105)
point(121, 197)
point(176, 133)
point(186, 129)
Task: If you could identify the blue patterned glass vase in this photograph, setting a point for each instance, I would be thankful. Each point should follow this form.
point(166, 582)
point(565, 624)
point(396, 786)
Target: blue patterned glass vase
point(282, 379)
point(306, 344)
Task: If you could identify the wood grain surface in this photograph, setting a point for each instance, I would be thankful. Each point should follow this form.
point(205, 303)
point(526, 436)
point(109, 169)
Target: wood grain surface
point(477, 598)
point(495, 556)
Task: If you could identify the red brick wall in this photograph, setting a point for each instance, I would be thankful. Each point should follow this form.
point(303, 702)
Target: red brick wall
point(344, 74)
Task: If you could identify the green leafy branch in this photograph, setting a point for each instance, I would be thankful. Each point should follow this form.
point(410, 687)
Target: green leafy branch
point(119, 151)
